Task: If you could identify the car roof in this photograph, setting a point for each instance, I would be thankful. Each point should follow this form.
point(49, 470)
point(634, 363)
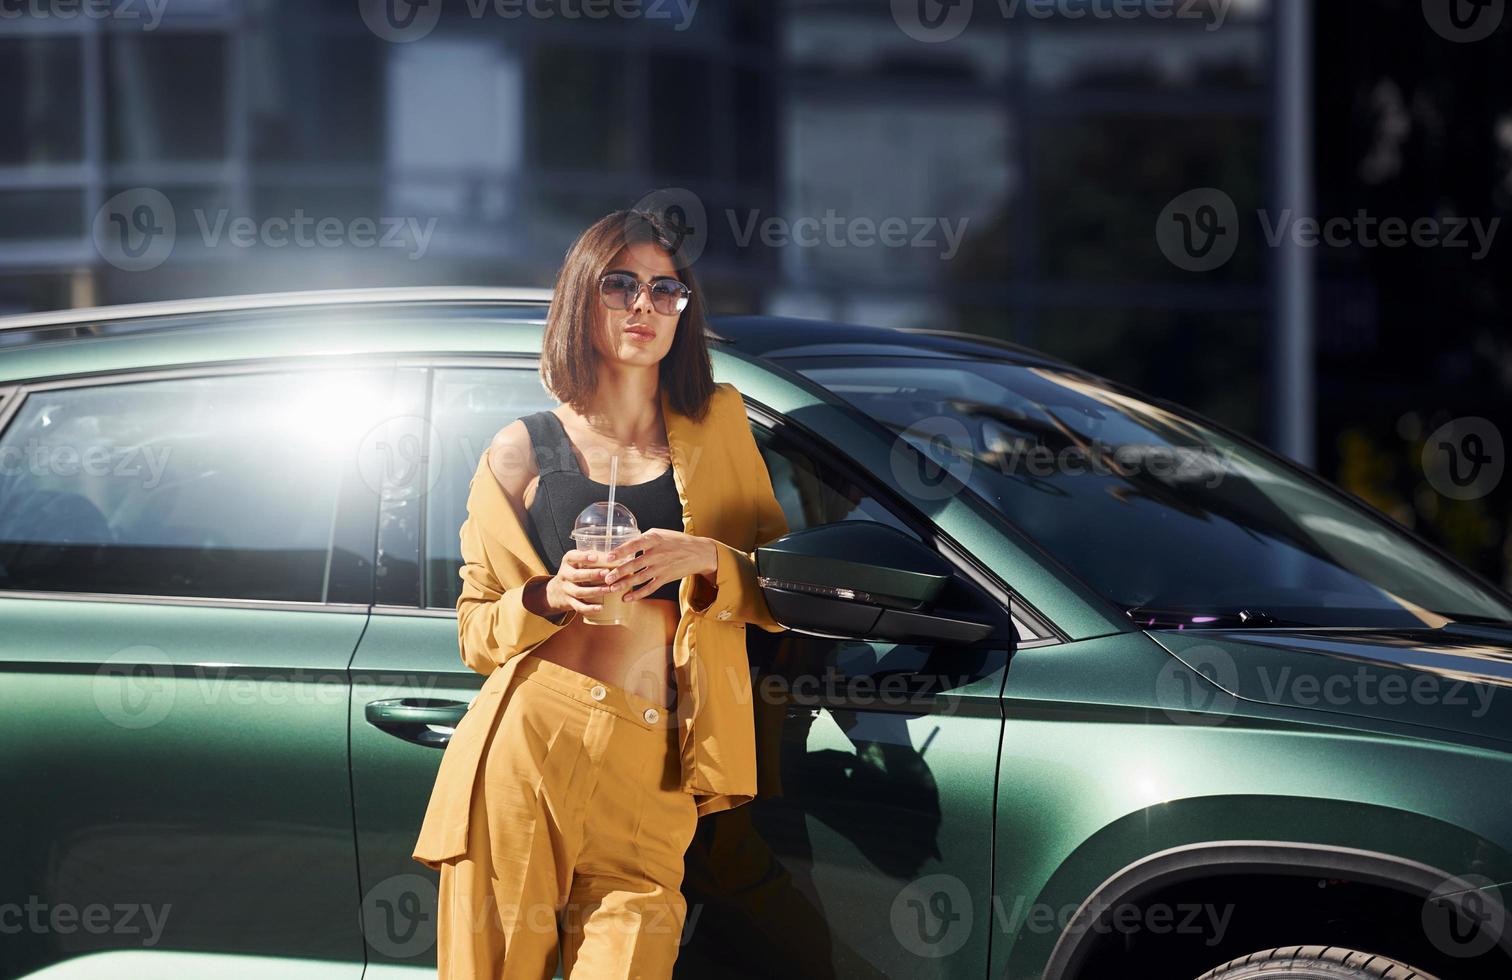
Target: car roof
point(339, 323)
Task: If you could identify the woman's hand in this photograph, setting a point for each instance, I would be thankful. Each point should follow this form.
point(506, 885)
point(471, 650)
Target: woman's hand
point(666, 556)
point(578, 582)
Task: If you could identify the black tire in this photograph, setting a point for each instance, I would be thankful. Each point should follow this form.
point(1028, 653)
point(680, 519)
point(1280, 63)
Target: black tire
point(1314, 963)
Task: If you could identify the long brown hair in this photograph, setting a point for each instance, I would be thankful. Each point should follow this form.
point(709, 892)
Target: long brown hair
point(569, 360)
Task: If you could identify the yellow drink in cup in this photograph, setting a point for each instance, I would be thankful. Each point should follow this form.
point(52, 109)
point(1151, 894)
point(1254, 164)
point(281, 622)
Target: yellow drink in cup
point(594, 531)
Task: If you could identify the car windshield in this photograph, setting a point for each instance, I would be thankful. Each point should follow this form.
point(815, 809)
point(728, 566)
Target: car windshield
point(1171, 519)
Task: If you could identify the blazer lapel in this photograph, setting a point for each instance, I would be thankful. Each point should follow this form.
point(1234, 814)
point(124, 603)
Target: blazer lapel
point(682, 445)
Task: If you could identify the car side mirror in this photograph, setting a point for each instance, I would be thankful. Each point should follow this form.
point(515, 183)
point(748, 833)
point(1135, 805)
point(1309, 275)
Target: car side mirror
point(859, 580)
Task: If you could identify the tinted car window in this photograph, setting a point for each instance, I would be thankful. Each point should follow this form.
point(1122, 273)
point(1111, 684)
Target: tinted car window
point(217, 487)
point(1159, 511)
point(812, 493)
point(468, 406)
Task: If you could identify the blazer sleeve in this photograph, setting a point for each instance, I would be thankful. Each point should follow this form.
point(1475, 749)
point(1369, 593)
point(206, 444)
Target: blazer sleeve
point(736, 594)
point(493, 624)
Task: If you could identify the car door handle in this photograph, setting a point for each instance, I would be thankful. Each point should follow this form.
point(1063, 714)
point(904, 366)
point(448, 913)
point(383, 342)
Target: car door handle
point(411, 718)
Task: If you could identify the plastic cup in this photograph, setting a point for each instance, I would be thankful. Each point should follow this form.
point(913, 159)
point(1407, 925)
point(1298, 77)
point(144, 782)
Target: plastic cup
point(595, 531)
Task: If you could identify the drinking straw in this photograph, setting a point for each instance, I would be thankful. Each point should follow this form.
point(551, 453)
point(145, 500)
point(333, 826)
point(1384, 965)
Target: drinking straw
point(609, 524)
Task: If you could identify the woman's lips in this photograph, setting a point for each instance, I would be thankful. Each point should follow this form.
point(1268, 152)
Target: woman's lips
point(640, 333)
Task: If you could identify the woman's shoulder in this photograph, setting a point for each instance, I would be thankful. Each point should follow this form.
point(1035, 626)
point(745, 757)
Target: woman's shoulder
point(511, 460)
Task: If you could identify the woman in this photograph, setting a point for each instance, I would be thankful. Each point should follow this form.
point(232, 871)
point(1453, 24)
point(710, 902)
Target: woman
point(572, 786)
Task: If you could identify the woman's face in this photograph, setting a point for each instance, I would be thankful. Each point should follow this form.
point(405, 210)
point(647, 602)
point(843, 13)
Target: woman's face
point(637, 334)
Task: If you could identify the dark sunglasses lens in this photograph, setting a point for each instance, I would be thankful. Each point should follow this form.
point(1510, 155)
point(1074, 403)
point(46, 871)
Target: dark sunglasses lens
point(616, 291)
point(666, 296)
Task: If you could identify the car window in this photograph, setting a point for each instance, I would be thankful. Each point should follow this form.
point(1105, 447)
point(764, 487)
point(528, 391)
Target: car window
point(215, 487)
point(812, 492)
point(468, 406)
point(1169, 517)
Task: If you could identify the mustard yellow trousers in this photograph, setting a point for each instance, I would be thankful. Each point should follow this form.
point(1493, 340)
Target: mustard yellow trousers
point(576, 838)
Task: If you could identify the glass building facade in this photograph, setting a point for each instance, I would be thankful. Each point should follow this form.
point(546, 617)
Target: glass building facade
point(1005, 181)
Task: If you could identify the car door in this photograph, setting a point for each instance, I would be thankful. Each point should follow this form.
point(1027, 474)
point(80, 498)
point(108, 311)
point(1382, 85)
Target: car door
point(183, 581)
point(410, 686)
point(867, 852)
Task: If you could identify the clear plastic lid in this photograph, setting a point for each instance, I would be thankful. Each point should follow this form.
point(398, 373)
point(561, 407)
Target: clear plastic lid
point(595, 517)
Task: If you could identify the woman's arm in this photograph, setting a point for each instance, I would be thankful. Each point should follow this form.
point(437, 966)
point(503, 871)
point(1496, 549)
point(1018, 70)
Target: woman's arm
point(493, 621)
point(501, 612)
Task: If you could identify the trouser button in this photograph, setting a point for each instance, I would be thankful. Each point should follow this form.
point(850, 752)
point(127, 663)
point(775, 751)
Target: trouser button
point(651, 715)
point(598, 692)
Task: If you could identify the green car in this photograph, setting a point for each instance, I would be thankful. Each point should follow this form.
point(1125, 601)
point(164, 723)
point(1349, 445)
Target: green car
point(1076, 682)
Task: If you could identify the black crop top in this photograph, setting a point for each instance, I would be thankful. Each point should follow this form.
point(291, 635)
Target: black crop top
point(563, 492)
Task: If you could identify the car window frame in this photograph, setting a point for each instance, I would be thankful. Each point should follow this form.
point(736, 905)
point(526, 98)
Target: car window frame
point(16, 395)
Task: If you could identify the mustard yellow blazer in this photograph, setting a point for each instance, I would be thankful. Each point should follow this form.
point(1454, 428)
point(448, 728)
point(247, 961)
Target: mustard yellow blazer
point(726, 494)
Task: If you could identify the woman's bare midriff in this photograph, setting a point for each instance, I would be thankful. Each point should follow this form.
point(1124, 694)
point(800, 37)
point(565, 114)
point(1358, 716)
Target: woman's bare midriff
point(635, 655)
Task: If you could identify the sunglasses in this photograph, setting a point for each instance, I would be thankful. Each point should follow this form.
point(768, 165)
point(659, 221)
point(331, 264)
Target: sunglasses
point(619, 289)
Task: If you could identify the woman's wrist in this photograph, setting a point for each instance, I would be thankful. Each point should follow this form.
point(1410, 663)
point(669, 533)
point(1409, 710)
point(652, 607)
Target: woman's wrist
point(539, 599)
point(710, 570)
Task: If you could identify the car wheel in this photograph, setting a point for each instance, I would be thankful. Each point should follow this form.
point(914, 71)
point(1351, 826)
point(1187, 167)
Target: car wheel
point(1314, 963)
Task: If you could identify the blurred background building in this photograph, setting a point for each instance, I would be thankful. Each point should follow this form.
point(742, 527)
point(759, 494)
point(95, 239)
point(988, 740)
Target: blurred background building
point(1028, 155)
